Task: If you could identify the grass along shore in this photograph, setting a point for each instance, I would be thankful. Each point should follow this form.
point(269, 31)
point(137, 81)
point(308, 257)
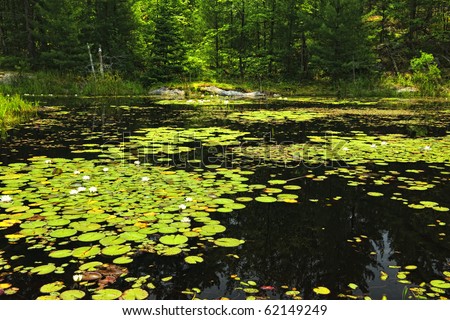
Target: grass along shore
point(113, 85)
point(14, 110)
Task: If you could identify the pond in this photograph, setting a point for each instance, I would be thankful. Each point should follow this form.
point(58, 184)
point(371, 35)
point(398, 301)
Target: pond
point(131, 199)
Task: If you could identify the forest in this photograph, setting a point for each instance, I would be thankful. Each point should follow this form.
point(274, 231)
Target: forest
point(154, 41)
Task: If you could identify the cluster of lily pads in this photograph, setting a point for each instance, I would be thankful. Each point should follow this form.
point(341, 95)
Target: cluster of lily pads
point(355, 149)
point(98, 215)
point(274, 117)
point(78, 210)
point(163, 143)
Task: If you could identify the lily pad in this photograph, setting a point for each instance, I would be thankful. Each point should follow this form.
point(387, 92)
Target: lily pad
point(91, 237)
point(375, 194)
point(171, 251)
point(173, 239)
point(106, 294)
point(52, 287)
point(123, 260)
point(214, 228)
point(266, 199)
point(63, 233)
point(72, 295)
point(441, 284)
point(44, 269)
point(90, 266)
point(60, 253)
point(116, 250)
point(85, 252)
point(193, 259)
point(112, 240)
point(322, 290)
point(135, 294)
point(228, 242)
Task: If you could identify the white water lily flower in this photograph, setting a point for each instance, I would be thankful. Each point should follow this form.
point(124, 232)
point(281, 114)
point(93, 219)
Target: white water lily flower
point(383, 143)
point(76, 172)
point(345, 149)
point(427, 148)
point(105, 169)
point(86, 178)
point(373, 145)
point(81, 189)
point(77, 277)
point(182, 206)
point(188, 199)
point(92, 189)
point(185, 220)
point(137, 162)
point(48, 161)
point(72, 192)
point(6, 198)
point(145, 179)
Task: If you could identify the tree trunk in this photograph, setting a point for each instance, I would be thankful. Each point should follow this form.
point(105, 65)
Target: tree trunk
point(30, 41)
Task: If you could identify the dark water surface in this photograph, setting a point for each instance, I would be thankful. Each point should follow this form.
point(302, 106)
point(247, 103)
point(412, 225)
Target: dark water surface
point(335, 235)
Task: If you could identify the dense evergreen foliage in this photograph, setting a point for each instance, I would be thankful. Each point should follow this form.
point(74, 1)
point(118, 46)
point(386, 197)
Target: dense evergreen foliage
point(156, 40)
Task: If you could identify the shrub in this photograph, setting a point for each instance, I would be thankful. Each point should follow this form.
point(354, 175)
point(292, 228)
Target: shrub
point(426, 74)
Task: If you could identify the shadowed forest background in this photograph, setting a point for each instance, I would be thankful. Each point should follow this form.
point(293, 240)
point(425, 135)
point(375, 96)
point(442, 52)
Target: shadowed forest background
point(151, 41)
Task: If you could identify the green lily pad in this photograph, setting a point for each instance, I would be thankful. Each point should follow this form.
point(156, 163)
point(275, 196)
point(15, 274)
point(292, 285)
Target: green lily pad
point(193, 259)
point(353, 286)
point(72, 295)
point(112, 240)
point(411, 267)
point(214, 228)
point(244, 199)
point(133, 236)
point(85, 226)
point(106, 294)
point(85, 252)
point(277, 182)
point(171, 251)
point(60, 253)
point(63, 233)
point(52, 287)
point(173, 239)
point(47, 298)
point(33, 224)
point(116, 250)
point(167, 230)
point(375, 194)
point(90, 266)
point(123, 260)
point(441, 284)
point(228, 242)
point(266, 199)
point(291, 187)
point(91, 237)
point(135, 294)
point(440, 209)
point(322, 290)
point(44, 269)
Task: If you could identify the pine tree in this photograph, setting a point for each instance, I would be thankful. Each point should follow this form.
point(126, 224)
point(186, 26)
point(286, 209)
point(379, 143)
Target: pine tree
point(341, 48)
point(167, 46)
point(58, 33)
